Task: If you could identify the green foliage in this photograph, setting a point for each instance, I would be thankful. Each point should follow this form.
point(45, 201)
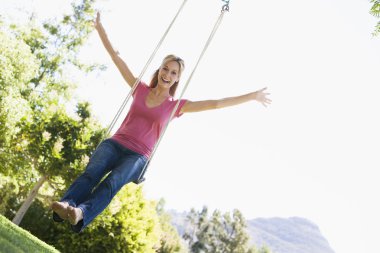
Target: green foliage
point(129, 224)
point(56, 144)
point(264, 249)
point(198, 234)
point(375, 11)
point(170, 241)
point(9, 190)
point(18, 66)
point(38, 135)
point(220, 233)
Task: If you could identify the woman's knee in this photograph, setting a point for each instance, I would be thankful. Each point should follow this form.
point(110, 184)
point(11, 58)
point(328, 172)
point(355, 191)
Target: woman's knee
point(116, 181)
point(89, 178)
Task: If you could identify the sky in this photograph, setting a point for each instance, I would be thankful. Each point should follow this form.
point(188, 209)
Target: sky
point(312, 153)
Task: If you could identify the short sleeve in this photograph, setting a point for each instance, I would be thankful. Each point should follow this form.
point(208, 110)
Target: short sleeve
point(181, 104)
point(140, 86)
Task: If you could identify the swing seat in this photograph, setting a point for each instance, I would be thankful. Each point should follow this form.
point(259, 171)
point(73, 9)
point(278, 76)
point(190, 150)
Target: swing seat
point(139, 180)
point(141, 177)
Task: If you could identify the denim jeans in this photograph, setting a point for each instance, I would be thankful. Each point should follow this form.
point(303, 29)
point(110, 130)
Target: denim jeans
point(124, 166)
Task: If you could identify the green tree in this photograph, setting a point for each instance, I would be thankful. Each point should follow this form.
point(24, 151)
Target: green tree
point(198, 233)
point(55, 146)
point(375, 11)
point(170, 241)
point(18, 67)
point(220, 233)
point(45, 143)
point(229, 233)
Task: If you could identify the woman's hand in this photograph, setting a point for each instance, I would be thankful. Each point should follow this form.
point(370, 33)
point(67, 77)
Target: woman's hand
point(120, 64)
point(97, 23)
point(261, 96)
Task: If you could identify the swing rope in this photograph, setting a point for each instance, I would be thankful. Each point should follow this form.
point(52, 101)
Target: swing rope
point(115, 119)
point(211, 36)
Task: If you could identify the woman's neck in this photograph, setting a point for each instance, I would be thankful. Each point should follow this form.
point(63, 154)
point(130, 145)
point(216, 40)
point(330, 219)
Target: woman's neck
point(160, 91)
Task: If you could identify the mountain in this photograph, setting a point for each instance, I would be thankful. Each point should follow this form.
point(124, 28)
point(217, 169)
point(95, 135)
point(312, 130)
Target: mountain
point(281, 235)
point(288, 235)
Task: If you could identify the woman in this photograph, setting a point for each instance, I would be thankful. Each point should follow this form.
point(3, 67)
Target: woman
point(125, 154)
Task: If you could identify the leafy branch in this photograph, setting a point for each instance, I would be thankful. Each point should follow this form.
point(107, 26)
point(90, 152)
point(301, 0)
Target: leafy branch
point(375, 11)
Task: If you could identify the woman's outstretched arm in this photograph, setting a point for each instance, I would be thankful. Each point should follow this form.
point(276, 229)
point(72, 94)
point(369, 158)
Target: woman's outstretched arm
point(198, 106)
point(120, 64)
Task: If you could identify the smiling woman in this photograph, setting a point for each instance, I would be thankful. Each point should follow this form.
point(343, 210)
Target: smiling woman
point(169, 73)
point(126, 154)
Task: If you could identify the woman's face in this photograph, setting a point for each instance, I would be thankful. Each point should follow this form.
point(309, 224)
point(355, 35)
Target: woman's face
point(168, 74)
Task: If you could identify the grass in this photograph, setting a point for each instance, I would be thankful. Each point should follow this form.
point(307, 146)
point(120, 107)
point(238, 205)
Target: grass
point(14, 239)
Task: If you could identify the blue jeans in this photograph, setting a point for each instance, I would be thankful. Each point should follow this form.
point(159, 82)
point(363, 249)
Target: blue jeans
point(124, 166)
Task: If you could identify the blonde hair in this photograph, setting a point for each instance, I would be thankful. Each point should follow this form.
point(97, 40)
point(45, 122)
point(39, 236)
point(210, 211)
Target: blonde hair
point(169, 58)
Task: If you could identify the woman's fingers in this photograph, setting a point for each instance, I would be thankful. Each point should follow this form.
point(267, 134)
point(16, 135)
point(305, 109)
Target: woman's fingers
point(97, 20)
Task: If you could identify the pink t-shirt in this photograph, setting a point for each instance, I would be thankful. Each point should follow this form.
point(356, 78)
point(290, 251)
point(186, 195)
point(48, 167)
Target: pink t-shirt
point(142, 126)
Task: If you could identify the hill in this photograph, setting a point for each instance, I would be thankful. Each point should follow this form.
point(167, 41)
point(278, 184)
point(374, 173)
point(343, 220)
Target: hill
point(288, 235)
point(281, 235)
point(15, 239)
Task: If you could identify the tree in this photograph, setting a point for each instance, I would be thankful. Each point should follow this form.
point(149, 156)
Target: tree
point(18, 67)
point(375, 11)
point(220, 233)
point(170, 241)
point(198, 231)
point(56, 146)
point(44, 142)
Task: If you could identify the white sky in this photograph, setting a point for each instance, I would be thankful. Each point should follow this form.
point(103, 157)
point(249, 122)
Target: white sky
point(312, 153)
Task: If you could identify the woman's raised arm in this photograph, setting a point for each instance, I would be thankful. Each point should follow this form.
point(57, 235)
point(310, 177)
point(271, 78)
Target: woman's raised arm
point(198, 106)
point(120, 64)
